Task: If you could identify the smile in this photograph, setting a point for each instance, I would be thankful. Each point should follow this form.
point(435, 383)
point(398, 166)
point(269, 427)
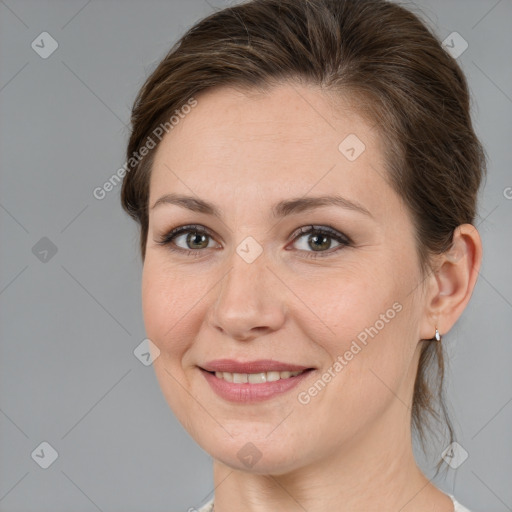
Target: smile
point(247, 388)
point(256, 378)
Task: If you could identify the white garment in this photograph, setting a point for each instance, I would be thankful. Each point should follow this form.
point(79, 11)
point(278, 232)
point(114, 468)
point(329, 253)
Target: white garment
point(208, 507)
point(458, 506)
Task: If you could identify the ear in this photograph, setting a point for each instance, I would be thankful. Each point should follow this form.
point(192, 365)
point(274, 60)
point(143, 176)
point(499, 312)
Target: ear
point(452, 281)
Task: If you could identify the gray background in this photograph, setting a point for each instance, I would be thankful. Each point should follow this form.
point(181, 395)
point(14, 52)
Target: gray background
point(70, 321)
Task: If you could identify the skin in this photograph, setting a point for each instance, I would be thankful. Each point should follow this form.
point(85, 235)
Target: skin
point(349, 449)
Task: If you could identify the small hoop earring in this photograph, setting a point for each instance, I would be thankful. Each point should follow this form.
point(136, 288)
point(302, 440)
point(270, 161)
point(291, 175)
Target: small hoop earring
point(437, 336)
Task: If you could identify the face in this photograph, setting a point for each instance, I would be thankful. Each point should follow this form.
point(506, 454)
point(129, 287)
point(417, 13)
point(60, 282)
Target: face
point(280, 278)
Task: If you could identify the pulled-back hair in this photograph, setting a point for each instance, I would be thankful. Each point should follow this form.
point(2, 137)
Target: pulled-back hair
point(394, 71)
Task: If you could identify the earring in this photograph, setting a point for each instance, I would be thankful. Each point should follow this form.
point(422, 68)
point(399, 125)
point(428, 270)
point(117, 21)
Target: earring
point(437, 336)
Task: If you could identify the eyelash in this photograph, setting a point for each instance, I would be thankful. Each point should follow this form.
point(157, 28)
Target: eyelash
point(344, 240)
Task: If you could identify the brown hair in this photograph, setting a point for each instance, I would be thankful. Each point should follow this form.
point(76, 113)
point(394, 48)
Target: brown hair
point(376, 53)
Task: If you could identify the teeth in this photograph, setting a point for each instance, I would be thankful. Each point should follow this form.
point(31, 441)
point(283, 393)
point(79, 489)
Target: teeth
point(255, 378)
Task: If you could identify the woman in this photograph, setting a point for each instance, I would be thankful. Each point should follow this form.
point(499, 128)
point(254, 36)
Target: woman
point(305, 175)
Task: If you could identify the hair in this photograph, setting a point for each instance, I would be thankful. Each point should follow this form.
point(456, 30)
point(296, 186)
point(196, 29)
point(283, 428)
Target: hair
point(394, 70)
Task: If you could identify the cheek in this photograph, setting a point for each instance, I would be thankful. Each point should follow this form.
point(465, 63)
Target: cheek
point(169, 298)
point(365, 322)
point(170, 308)
point(346, 302)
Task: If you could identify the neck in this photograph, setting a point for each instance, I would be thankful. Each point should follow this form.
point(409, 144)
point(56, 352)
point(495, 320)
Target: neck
point(376, 472)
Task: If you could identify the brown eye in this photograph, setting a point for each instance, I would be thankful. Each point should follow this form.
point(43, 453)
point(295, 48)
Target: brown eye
point(196, 240)
point(191, 240)
point(319, 239)
point(187, 238)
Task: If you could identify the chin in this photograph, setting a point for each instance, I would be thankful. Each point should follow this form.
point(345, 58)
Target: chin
point(256, 454)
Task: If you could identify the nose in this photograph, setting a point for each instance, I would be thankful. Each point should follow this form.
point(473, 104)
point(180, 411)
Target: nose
point(248, 301)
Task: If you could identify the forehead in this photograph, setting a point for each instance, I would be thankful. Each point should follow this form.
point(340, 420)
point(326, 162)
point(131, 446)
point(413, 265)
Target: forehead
point(289, 140)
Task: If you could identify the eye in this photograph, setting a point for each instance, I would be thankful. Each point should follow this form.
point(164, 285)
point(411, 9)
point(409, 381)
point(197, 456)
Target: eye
point(319, 240)
point(193, 237)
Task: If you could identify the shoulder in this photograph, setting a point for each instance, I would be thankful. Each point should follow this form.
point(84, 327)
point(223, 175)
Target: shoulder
point(207, 507)
point(458, 506)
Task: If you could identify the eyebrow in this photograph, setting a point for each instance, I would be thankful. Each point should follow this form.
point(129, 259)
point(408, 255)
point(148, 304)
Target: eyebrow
point(279, 210)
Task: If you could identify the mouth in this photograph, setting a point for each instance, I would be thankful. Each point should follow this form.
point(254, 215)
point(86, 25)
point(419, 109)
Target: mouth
point(256, 383)
point(251, 367)
point(257, 378)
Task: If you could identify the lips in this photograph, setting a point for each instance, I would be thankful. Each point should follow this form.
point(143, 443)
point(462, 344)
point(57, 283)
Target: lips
point(252, 381)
